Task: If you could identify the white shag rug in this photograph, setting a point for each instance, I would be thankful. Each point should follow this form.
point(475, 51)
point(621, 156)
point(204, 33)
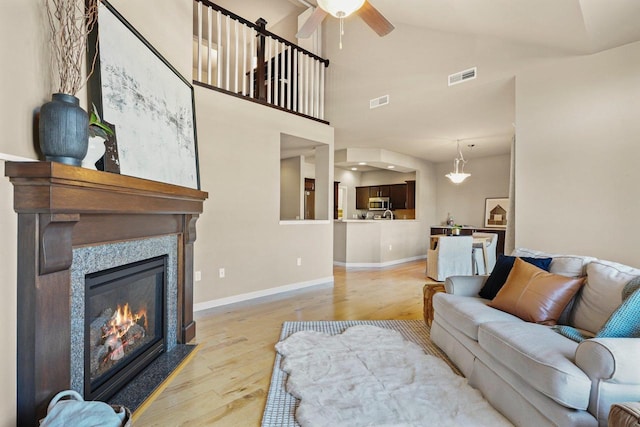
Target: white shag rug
point(371, 376)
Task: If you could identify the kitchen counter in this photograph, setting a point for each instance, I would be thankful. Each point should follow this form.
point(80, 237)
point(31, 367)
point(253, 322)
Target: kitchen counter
point(470, 229)
point(378, 242)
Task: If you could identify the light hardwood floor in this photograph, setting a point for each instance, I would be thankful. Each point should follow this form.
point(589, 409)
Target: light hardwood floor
point(227, 381)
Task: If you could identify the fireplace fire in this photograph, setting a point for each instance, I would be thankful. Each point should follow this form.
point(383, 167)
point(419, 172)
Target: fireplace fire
point(124, 324)
point(116, 334)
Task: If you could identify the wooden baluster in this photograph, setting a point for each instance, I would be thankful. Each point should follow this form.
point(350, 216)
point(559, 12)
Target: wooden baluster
point(322, 72)
point(210, 43)
point(252, 36)
point(276, 70)
point(312, 86)
point(236, 70)
point(307, 78)
point(199, 48)
point(244, 60)
point(269, 70)
point(260, 78)
point(289, 77)
point(218, 53)
point(227, 28)
point(283, 72)
point(294, 85)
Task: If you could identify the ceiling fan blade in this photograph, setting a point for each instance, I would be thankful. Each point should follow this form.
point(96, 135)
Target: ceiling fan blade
point(312, 23)
point(374, 19)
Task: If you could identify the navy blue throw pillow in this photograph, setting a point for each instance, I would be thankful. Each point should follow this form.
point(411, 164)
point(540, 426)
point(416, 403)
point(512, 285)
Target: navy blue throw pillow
point(501, 271)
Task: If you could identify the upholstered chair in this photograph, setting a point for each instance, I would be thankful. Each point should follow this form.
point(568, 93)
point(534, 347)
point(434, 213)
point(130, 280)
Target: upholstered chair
point(484, 254)
point(452, 256)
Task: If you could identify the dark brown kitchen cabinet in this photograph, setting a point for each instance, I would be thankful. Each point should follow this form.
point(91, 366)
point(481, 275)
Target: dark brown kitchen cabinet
point(362, 198)
point(411, 194)
point(309, 184)
point(398, 196)
point(380, 191)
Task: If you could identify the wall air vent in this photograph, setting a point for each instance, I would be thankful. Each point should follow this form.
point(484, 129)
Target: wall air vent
point(378, 102)
point(463, 76)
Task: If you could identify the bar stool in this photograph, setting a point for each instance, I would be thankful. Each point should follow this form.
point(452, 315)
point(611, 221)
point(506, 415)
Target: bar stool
point(484, 254)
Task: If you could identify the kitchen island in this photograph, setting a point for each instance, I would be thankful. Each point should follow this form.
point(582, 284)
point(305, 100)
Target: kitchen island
point(378, 242)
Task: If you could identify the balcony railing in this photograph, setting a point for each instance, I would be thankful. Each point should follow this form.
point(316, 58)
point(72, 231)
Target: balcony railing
point(239, 57)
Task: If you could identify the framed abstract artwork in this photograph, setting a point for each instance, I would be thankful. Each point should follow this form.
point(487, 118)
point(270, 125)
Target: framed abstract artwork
point(495, 212)
point(147, 99)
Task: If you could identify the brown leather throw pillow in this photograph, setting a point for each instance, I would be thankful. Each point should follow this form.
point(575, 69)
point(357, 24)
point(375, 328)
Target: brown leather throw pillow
point(535, 295)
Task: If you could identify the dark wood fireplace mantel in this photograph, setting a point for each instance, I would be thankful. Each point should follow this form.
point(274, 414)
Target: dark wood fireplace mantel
point(61, 207)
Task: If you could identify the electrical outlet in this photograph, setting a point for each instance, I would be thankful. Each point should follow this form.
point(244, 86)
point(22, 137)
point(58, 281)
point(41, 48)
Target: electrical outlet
point(299, 261)
point(221, 273)
point(390, 247)
point(198, 276)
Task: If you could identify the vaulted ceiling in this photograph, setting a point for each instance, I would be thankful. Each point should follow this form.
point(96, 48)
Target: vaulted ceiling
point(434, 38)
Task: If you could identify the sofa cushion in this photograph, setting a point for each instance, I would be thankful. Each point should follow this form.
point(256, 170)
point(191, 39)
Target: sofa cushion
point(541, 357)
point(565, 265)
point(601, 295)
point(501, 271)
point(535, 295)
point(467, 313)
point(623, 323)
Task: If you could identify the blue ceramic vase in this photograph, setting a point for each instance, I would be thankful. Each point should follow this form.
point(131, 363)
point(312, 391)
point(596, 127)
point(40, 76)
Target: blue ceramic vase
point(64, 130)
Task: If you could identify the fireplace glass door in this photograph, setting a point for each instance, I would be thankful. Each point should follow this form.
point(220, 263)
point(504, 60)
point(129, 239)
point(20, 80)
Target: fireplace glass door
point(124, 324)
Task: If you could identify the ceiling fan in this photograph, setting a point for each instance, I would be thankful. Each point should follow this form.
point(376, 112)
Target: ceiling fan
point(341, 9)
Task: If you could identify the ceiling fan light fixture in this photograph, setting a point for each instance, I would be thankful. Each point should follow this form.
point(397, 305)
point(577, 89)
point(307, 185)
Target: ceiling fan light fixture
point(340, 8)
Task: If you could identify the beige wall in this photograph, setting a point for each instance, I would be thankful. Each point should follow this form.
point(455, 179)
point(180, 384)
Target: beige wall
point(291, 185)
point(382, 177)
point(239, 144)
point(577, 151)
point(466, 201)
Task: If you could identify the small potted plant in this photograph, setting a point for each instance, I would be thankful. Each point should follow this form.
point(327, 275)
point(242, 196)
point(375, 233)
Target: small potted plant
point(99, 132)
point(455, 230)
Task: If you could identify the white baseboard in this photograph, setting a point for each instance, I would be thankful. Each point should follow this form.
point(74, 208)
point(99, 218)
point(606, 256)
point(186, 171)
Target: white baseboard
point(378, 264)
point(259, 294)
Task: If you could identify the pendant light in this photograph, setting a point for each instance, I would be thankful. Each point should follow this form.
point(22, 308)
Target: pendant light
point(340, 9)
point(458, 175)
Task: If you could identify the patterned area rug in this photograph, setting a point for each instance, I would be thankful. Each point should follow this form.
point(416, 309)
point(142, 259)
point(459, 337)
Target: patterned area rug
point(281, 406)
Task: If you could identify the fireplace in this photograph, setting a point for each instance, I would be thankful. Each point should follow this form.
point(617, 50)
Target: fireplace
point(72, 223)
point(125, 324)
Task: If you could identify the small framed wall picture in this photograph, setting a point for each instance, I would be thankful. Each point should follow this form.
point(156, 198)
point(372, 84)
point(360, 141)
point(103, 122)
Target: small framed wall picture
point(495, 212)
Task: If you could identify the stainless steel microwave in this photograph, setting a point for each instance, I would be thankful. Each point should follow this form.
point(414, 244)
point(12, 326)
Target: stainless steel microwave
point(379, 203)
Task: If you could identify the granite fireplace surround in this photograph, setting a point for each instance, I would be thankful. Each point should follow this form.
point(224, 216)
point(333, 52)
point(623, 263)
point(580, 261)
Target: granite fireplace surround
point(64, 211)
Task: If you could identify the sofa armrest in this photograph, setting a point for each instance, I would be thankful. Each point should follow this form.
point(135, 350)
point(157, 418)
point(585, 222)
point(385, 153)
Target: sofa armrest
point(610, 359)
point(466, 286)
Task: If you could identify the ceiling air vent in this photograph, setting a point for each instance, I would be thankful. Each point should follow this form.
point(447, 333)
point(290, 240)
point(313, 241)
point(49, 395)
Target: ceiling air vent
point(463, 76)
point(379, 102)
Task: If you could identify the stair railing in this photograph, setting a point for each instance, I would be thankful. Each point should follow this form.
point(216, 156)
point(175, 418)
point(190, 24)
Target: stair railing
point(234, 55)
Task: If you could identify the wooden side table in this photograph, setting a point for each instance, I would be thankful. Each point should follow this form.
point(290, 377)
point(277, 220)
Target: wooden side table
point(429, 290)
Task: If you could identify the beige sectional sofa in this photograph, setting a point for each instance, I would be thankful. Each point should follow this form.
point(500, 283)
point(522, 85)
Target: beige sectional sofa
point(529, 372)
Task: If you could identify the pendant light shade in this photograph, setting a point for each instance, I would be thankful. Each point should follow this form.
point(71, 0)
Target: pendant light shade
point(458, 175)
point(340, 8)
